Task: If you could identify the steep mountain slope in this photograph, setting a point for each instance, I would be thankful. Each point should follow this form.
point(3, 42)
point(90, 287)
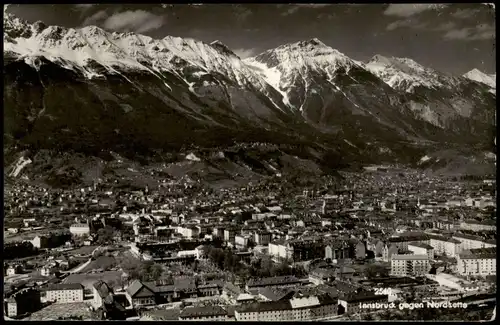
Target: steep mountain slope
point(117, 86)
point(454, 104)
point(91, 91)
point(487, 79)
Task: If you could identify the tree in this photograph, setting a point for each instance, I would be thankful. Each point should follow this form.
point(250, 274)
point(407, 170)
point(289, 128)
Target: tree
point(376, 271)
point(105, 235)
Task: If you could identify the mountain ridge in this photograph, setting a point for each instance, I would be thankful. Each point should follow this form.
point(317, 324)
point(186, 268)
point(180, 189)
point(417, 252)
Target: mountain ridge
point(129, 90)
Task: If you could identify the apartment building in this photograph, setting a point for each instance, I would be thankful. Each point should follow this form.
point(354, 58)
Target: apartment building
point(472, 242)
point(477, 262)
point(24, 301)
point(280, 250)
point(444, 246)
point(486, 225)
point(410, 265)
point(295, 309)
point(422, 249)
point(273, 282)
point(207, 313)
point(64, 293)
point(80, 229)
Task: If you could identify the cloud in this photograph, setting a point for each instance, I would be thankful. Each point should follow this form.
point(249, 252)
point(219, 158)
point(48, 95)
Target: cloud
point(292, 8)
point(84, 6)
point(244, 53)
point(407, 10)
point(464, 14)
point(95, 18)
point(406, 23)
point(139, 21)
point(477, 33)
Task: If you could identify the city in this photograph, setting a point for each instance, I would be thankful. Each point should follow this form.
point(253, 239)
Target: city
point(261, 252)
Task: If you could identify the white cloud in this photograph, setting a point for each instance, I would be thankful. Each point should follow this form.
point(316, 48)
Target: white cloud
point(480, 32)
point(95, 18)
point(464, 14)
point(244, 53)
point(407, 10)
point(408, 23)
point(139, 21)
point(84, 6)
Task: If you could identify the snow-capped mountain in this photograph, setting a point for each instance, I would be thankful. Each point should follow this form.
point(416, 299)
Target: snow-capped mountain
point(405, 74)
point(292, 64)
point(88, 88)
point(81, 49)
point(487, 79)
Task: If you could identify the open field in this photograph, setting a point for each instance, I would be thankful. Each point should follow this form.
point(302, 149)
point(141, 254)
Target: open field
point(101, 263)
point(87, 280)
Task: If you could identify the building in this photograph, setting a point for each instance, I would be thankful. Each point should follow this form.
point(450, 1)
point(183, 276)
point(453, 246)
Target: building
point(100, 290)
point(350, 303)
point(444, 246)
point(402, 241)
point(64, 293)
point(139, 295)
point(485, 225)
point(337, 250)
point(262, 238)
point(188, 232)
point(422, 249)
point(14, 269)
point(410, 265)
point(472, 242)
point(389, 251)
point(273, 282)
point(229, 235)
point(207, 313)
point(321, 275)
point(294, 309)
point(280, 251)
point(80, 229)
point(241, 241)
point(40, 242)
point(477, 262)
point(24, 301)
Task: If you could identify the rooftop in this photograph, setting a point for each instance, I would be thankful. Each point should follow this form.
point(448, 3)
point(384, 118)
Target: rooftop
point(410, 257)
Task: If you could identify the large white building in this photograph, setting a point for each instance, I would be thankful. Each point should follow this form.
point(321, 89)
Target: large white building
point(410, 265)
point(478, 262)
point(79, 229)
point(488, 225)
point(422, 249)
point(444, 246)
point(188, 232)
point(472, 242)
point(295, 309)
point(64, 293)
point(280, 250)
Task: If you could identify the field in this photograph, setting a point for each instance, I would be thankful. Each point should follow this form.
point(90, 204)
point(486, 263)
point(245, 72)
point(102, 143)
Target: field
point(87, 280)
point(55, 311)
point(101, 263)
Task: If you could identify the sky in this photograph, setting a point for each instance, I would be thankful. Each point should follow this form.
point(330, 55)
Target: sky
point(452, 38)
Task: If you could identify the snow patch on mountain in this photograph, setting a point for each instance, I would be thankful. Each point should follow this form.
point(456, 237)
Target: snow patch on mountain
point(289, 64)
point(487, 79)
point(78, 49)
point(405, 74)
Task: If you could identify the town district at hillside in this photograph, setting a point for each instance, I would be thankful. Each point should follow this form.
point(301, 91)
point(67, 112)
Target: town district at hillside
point(384, 244)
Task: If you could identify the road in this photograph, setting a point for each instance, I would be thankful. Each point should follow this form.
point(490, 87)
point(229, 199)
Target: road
point(84, 265)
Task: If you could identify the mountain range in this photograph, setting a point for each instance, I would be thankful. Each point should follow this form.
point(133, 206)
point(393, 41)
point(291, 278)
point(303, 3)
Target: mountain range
point(92, 91)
